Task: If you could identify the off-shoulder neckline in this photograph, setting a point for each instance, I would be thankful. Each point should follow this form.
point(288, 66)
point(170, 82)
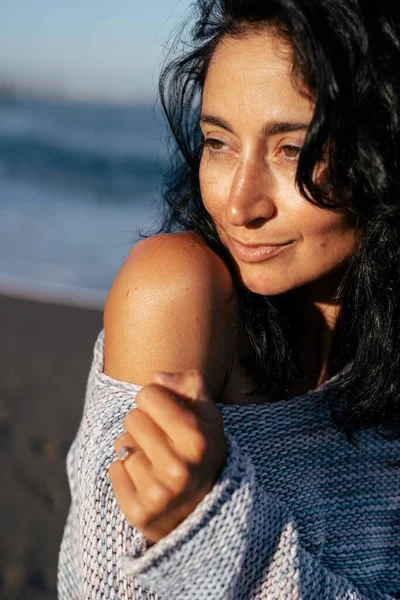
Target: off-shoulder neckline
point(127, 386)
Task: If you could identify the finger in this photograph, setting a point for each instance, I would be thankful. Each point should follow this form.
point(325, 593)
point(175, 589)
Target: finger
point(153, 441)
point(191, 387)
point(151, 492)
point(125, 440)
point(123, 487)
point(175, 419)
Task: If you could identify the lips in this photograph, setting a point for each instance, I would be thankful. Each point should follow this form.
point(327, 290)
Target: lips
point(256, 252)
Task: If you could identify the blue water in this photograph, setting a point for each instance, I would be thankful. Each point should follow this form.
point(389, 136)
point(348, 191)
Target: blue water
point(76, 183)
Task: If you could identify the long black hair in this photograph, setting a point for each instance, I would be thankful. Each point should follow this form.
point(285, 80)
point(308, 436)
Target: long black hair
point(346, 54)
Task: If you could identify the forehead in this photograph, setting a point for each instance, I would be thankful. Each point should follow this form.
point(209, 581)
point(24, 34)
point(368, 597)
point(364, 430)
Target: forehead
point(251, 75)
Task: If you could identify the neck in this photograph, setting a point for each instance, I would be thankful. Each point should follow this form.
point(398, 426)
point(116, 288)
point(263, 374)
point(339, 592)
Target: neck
point(317, 310)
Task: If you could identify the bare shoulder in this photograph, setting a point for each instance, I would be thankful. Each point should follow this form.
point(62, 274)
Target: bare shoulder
point(170, 308)
point(177, 253)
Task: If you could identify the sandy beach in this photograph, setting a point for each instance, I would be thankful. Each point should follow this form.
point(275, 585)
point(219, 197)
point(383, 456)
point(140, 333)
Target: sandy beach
point(44, 363)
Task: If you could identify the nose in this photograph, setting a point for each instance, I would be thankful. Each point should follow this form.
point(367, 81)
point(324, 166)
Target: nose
point(251, 196)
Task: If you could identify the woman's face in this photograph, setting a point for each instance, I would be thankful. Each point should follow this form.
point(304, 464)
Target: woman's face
point(254, 123)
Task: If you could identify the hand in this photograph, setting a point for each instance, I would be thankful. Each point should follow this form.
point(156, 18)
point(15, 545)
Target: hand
point(179, 453)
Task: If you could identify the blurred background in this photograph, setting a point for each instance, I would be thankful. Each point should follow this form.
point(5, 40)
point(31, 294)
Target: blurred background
point(81, 163)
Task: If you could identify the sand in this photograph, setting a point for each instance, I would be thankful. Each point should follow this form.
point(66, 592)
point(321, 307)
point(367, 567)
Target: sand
point(44, 363)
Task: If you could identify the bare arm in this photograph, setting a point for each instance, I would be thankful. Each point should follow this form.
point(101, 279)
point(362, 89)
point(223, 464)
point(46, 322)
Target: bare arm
point(170, 309)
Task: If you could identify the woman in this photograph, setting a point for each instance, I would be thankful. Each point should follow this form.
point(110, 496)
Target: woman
point(248, 374)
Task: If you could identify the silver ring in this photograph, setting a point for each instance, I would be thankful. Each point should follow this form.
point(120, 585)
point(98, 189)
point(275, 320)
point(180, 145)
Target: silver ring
point(124, 453)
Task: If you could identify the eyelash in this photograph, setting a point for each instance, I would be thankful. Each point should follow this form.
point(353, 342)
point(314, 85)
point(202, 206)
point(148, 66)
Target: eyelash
point(207, 144)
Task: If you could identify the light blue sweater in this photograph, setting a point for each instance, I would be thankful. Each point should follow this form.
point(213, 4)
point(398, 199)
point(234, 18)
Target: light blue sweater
point(297, 512)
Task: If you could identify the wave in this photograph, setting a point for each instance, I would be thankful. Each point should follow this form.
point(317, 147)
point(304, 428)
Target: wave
point(103, 173)
point(114, 152)
point(77, 186)
point(63, 246)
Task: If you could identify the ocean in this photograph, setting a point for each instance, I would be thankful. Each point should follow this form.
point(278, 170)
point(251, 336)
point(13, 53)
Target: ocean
point(77, 181)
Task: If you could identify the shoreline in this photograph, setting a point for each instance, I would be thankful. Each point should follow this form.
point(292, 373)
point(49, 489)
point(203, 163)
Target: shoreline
point(51, 293)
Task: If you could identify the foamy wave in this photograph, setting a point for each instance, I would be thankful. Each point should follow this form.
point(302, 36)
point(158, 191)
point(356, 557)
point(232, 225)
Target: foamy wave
point(53, 293)
point(51, 247)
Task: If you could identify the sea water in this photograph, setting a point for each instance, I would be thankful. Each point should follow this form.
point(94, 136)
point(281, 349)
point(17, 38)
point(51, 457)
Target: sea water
point(77, 183)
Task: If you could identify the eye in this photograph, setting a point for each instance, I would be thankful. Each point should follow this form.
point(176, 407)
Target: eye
point(290, 151)
point(213, 144)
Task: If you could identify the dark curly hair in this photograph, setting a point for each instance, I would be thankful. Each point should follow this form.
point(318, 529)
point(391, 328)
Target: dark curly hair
point(346, 54)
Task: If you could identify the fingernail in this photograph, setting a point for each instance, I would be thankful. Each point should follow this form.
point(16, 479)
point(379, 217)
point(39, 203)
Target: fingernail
point(165, 375)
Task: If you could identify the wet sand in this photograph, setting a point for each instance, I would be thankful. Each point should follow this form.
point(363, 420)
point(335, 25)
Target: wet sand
point(45, 356)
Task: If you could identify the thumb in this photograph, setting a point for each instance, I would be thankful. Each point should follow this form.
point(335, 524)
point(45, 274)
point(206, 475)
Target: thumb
point(190, 387)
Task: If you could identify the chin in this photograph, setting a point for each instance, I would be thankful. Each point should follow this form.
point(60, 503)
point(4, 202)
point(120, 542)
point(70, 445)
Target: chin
point(265, 288)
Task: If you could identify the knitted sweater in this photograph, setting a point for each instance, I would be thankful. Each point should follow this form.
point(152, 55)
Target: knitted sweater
point(297, 512)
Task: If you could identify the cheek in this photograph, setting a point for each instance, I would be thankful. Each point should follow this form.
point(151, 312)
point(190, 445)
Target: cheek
point(332, 238)
point(213, 191)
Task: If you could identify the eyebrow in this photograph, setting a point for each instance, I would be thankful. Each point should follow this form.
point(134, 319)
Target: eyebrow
point(271, 128)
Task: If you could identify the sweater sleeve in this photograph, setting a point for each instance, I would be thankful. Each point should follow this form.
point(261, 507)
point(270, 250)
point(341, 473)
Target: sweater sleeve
point(240, 543)
point(97, 533)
